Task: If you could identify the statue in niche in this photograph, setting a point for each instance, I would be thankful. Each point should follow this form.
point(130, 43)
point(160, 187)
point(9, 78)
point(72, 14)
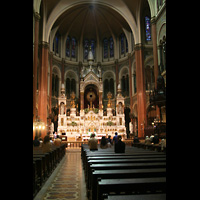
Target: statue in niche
point(62, 109)
point(99, 69)
point(120, 108)
point(82, 71)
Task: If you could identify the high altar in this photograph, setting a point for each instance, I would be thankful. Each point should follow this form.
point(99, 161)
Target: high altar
point(91, 119)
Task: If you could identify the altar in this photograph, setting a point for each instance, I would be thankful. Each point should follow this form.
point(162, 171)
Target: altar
point(92, 118)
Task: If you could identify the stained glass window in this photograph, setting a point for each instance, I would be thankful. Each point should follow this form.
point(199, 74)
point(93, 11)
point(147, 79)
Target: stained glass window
point(105, 48)
point(126, 45)
point(148, 28)
point(93, 47)
point(56, 43)
point(122, 43)
point(111, 47)
point(73, 47)
point(68, 47)
point(86, 45)
point(57, 38)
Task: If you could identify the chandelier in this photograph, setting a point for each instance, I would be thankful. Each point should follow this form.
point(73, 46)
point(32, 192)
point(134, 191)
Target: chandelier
point(38, 125)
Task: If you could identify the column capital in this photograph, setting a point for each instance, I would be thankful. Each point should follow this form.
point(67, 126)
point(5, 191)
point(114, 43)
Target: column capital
point(138, 46)
point(63, 61)
point(37, 16)
point(153, 20)
point(44, 44)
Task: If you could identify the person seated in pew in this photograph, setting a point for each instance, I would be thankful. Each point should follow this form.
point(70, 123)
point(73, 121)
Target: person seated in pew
point(120, 146)
point(92, 142)
point(147, 140)
point(156, 139)
point(163, 143)
point(109, 141)
point(115, 138)
point(103, 144)
point(136, 140)
point(57, 141)
point(36, 142)
point(46, 146)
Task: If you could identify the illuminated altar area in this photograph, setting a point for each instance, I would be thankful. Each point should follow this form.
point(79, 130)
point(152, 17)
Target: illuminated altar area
point(91, 118)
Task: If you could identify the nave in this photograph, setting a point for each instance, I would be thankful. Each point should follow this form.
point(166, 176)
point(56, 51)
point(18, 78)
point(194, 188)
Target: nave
point(76, 176)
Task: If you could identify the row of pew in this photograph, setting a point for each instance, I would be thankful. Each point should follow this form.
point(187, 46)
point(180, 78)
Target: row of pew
point(154, 147)
point(136, 174)
point(44, 164)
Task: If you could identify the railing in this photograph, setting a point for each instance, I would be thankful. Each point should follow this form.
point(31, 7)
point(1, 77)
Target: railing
point(74, 144)
point(77, 144)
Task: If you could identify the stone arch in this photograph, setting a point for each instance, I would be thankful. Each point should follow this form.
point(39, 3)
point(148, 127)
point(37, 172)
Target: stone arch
point(118, 6)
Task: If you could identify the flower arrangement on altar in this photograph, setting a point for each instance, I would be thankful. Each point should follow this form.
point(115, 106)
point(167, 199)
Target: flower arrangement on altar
point(110, 123)
point(73, 124)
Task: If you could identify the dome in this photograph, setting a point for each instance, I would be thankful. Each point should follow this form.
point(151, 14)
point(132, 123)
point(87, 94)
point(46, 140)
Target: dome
point(90, 21)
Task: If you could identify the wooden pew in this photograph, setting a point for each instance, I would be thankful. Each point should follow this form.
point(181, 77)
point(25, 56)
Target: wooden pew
point(85, 150)
point(39, 171)
point(125, 156)
point(122, 166)
point(123, 173)
point(35, 179)
point(112, 154)
point(136, 185)
point(44, 164)
point(137, 197)
point(112, 161)
point(109, 161)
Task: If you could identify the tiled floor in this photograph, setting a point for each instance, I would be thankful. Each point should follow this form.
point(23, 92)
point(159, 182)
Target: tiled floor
point(67, 181)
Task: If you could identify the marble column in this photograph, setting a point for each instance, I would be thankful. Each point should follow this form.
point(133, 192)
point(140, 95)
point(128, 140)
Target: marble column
point(35, 61)
point(50, 84)
point(82, 100)
point(100, 100)
point(141, 91)
point(130, 82)
point(155, 56)
point(43, 86)
point(63, 70)
point(117, 73)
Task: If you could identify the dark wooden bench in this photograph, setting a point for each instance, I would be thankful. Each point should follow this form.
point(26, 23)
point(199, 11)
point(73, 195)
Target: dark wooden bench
point(105, 164)
point(85, 150)
point(125, 156)
point(123, 173)
point(123, 161)
point(136, 185)
point(137, 197)
point(44, 164)
point(153, 147)
point(122, 166)
point(39, 171)
point(85, 159)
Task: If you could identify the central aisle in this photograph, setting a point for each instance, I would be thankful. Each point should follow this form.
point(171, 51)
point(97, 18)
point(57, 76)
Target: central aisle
point(69, 182)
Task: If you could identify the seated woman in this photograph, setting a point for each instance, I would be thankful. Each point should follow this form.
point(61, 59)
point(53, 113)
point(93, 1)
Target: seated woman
point(103, 144)
point(92, 143)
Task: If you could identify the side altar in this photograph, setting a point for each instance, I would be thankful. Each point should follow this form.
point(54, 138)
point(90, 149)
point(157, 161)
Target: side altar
point(91, 119)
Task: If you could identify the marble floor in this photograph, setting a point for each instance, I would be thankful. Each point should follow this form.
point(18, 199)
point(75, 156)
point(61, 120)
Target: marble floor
point(67, 181)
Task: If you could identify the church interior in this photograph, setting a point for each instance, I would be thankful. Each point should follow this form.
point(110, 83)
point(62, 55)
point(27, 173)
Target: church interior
point(99, 67)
